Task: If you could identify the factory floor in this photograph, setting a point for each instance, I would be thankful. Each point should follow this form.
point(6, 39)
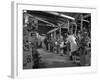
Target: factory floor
point(52, 60)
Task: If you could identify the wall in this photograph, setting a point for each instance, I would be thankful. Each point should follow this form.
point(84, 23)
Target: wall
point(5, 38)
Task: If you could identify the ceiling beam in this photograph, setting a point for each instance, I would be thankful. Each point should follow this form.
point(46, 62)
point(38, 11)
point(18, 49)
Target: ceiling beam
point(86, 16)
point(53, 30)
point(61, 15)
point(85, 20)
point(40, 19)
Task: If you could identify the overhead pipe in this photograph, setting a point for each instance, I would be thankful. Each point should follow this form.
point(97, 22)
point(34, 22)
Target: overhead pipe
point(62, 15)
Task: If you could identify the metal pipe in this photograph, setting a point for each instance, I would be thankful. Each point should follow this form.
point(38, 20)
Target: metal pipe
point(62, 15)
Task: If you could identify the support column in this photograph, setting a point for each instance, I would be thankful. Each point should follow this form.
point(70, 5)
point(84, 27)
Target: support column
point(58, 47)
point(81, 22)
point(36, 23)
point(75, 28)
point(72, 29)
point(68, 26)
point(59, 25)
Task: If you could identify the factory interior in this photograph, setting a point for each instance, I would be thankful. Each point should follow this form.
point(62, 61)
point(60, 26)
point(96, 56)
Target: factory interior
point(53, 39)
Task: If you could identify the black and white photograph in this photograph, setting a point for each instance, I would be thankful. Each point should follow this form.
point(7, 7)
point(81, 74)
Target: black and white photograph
point(53, 39)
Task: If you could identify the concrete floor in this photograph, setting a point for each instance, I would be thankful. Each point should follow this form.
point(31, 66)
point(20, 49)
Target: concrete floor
point(52, 60)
